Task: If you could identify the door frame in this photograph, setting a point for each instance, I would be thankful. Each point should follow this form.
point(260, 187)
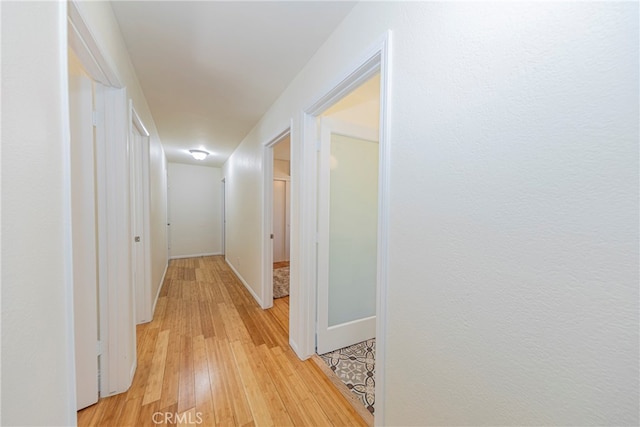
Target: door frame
point(303, 300)
point(117, 338)
point(223, 212)
point(144, 307)
point(267, 216)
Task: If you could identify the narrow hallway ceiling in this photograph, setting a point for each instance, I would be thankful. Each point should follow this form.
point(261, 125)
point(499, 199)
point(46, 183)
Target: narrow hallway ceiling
point(210, 69)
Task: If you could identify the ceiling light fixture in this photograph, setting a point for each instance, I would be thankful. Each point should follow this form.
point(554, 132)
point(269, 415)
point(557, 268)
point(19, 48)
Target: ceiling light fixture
point(199, 154)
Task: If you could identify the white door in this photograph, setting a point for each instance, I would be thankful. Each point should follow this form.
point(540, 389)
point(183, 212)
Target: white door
point(224, 217)
point(347, 235)
point(279, 221)
point(287, 221)
point(83, 229)
point(139, 150)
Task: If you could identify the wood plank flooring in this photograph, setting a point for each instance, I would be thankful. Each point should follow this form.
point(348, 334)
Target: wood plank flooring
point(212, 357)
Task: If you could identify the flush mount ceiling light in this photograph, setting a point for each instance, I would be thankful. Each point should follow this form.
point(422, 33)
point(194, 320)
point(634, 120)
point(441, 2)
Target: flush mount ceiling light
point(199, 154)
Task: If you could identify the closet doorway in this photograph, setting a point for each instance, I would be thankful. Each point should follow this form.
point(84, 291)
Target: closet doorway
point(281, 217)
point(278, 191)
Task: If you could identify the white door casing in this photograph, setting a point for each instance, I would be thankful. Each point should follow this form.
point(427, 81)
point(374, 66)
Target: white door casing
point(303, 297)
point(83, 230)
point(117, 334)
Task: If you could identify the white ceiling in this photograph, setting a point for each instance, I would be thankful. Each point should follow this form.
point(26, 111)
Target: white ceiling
point(210, 69)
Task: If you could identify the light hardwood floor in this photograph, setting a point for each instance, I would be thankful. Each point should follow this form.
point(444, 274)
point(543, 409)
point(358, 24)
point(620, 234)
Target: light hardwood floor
point(212, 354)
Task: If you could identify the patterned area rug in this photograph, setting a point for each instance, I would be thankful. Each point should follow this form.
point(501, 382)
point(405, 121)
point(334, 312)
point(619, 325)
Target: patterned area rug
point(355, 366)
point(280, 282)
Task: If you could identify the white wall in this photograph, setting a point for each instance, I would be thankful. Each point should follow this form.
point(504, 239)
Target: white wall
point(38, 373)
point(102, 22)
point(195, 210)
point(513, 271)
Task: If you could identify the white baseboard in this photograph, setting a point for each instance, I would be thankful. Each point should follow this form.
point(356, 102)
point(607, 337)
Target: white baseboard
point(195, 255)
point(133, 371)
point(153, 309)
point(244, 282)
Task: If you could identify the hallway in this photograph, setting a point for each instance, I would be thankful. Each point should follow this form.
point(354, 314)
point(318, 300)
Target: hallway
point(212, 354)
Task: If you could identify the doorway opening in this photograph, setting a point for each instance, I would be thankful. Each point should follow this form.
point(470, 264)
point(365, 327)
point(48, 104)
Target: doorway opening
point(277, 222)
point(104, 305)
point(281, 217)
point(344, 163)
point(348, 238)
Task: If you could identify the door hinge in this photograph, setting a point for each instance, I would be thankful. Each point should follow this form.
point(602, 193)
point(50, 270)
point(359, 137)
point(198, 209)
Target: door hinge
point(271, 236)
point(99, 348)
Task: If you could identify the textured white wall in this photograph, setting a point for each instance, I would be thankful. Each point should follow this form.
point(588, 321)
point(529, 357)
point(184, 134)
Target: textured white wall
point(513, 271)
point(104, 27)
point(195, 210)
point(38, 373)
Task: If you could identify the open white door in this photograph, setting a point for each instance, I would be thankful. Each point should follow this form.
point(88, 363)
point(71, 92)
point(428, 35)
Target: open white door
point(139, 159)
point(83, 229)
point(347, 235)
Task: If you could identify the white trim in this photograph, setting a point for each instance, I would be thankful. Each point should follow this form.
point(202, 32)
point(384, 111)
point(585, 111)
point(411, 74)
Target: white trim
point(135, 120)
point(384, 140)
point(302, 303)
point(375, 59)
point(117, 324)
point(244, 282)
point(267, 217)
point(133, 370)
point(155, 302)
point(67, 242)
point(87, 48)
point(196, 255)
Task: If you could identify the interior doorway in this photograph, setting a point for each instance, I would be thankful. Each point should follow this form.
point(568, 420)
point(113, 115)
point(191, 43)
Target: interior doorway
point(348, 201)
point(281, 218)
point(104, 302)
point(277, 221)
